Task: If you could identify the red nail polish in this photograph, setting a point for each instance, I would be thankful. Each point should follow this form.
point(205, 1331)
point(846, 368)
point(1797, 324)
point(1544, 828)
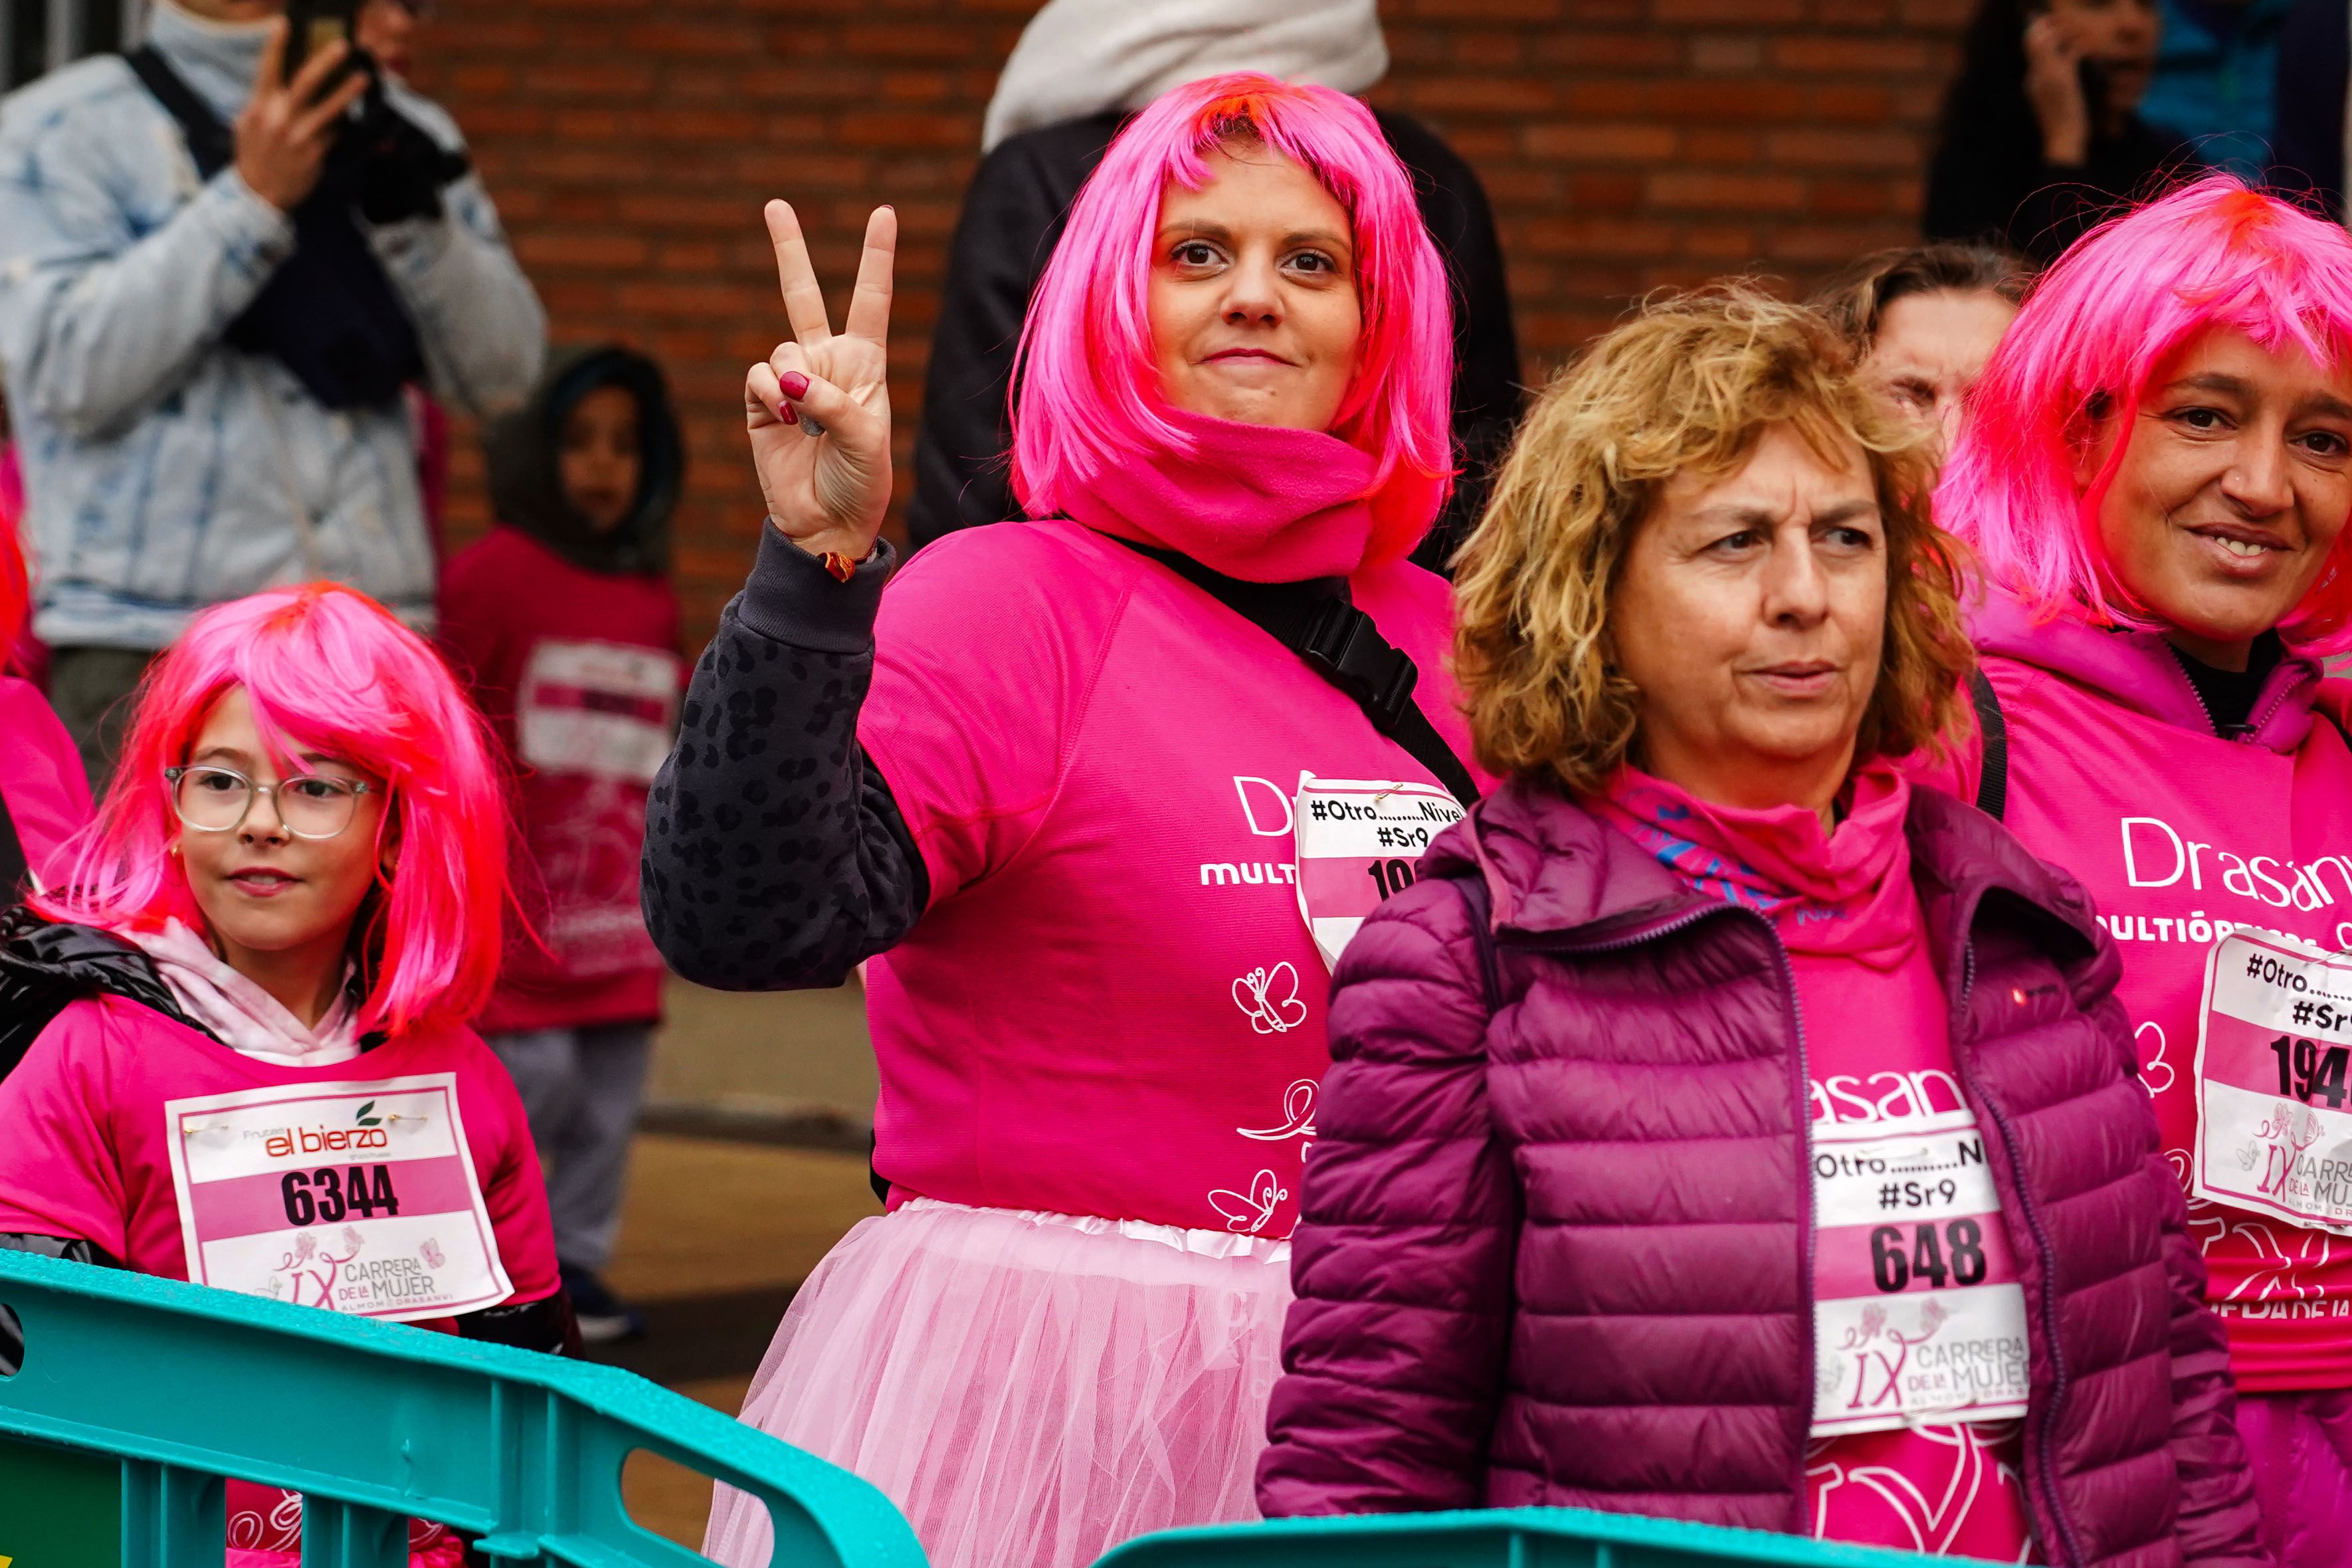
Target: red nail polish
point(785, 412)
point(795, 383)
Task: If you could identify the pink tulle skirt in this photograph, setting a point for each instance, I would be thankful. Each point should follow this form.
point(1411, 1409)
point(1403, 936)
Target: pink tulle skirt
point(1030, 1389)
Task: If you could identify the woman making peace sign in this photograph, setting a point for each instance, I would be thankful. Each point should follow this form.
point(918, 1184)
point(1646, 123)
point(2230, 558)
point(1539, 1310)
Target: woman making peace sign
point(1047, 783)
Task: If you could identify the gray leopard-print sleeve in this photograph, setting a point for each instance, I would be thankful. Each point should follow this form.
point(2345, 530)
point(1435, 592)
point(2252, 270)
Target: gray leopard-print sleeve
point(775, 858)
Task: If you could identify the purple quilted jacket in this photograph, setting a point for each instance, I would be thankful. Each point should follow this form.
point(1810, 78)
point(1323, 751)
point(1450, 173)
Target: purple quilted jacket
point(1562, 1254)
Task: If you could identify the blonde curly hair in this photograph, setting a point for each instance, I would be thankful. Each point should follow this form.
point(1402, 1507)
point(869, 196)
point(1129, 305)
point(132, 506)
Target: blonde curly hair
point(1686, 386)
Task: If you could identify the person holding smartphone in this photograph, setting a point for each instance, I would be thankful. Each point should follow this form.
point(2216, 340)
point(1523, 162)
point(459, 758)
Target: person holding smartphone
point(209, 375)
point(2041, 135)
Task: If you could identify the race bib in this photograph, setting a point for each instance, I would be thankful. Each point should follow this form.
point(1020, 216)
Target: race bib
point(1357, 843)
point(1917, 1314)
point(2274, 1054)
point(357, 1197)
point(605, 709)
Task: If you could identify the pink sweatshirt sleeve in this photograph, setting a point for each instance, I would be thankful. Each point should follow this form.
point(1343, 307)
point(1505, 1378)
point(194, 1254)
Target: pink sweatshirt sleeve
point(513, 1187)
point(41, 776)
point(59, 1175)
point(986, 652)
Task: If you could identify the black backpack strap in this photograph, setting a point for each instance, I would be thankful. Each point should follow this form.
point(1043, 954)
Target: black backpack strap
point(1341, 644)
point(1474, 898)
point(1992, 774)
point(211, 142)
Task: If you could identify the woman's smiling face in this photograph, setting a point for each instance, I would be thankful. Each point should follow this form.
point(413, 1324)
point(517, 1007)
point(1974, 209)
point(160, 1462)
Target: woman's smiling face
point(1254, 314)
point(2234, 487)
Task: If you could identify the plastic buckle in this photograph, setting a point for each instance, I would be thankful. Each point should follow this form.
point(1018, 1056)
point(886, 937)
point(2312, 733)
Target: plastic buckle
point(1347, 650)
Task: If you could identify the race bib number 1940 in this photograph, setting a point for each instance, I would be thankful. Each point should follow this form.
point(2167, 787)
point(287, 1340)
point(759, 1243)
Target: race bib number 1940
point(2275, 1081)
point(357, 1197)
point(1358, 842)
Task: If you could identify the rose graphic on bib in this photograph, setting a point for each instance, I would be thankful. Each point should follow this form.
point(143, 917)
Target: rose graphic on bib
point(2287, 1136)
point(1270, 998)
point(431, 1253)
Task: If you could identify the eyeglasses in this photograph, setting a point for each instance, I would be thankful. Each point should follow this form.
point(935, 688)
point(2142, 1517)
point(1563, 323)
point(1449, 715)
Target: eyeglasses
point(215, 800)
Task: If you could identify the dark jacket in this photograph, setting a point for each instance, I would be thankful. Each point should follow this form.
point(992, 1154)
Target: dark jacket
point(1996, 187)
point(1987, 179)
point(1012, 218)
point(2314, 61)
point(1507, 1296)
point(522, 451)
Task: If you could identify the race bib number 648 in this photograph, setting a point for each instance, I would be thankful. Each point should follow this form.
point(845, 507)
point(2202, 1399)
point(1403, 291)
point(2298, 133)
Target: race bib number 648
point(2273, 1056)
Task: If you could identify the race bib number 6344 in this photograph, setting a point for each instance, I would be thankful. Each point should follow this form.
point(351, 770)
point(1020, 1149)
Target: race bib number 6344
point(357, 1197)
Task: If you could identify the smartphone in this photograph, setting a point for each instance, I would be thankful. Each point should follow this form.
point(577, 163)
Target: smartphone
point(312, 25)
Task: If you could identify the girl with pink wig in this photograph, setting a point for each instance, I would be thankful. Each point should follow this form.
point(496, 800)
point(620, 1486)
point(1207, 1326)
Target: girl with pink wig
point(242, 1012)
point(1046, 785)
point(2156, 470)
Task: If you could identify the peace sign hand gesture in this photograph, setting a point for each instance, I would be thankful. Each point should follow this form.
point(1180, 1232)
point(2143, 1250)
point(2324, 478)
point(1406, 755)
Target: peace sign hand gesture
point(818, 408)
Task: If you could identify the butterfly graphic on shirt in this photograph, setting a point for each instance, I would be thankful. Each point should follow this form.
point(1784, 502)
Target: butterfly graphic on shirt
point(2270, 1273)
point(1246, 1214)
point(1920, 1506)
point(1269, 997)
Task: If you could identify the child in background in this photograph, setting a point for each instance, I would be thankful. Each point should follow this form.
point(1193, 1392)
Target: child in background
point(563, 619)
point(251, 1065)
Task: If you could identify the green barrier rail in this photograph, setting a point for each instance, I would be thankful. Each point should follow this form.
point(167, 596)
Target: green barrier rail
point(1492, 1538)
point(179, 1387)
point(142, 1393)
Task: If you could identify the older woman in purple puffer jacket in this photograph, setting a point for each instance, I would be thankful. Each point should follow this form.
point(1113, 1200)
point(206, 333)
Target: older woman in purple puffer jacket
point(1721, 1130)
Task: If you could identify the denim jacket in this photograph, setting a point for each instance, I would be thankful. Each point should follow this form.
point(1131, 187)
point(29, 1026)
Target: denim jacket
point(164, 469)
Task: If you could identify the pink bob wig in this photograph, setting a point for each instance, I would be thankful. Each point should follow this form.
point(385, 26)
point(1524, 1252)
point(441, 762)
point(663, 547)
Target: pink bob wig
point(328, 670)
point(2101, 323)
point(1090, 398)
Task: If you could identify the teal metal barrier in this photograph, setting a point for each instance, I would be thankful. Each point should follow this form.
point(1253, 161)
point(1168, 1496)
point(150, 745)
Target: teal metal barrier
point(163, 1388)
point(1491, 1538)
point(375, 1423)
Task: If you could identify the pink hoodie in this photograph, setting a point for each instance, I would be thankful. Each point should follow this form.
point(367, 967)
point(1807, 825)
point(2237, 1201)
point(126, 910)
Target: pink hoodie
point(2116, 774)
point(41, 778)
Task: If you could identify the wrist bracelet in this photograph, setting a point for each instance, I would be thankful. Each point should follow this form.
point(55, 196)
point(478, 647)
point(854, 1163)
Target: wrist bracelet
point(842, 567)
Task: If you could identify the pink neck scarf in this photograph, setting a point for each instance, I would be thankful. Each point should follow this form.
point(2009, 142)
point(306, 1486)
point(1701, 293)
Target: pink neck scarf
point(1846, 892)
point(247, 1020)
point(1253, 501)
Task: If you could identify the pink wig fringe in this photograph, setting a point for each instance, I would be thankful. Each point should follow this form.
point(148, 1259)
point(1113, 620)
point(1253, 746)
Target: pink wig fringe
point(1089, 397)
point(2102, 323)
point(326, 669)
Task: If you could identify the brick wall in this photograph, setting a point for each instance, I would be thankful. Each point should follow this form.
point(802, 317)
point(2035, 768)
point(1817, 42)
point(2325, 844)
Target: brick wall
point(1627, 143)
